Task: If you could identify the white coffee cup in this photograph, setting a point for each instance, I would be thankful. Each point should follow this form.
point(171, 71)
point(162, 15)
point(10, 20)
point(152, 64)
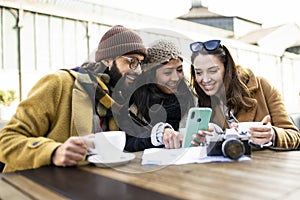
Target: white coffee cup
point(109, 145)
point(243, 127)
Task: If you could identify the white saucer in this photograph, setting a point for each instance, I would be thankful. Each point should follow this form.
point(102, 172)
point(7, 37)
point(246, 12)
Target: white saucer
point(123, 159)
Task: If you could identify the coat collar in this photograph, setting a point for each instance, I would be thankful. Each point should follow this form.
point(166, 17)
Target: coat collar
point(252, 85)
point(250, 80)
point(244, 116)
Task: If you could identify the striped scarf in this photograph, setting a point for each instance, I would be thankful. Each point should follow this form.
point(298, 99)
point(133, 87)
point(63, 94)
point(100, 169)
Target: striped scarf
point(95, 84)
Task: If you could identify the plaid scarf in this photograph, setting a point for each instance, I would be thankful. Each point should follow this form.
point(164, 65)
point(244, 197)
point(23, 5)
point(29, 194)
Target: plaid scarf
point(96, 86)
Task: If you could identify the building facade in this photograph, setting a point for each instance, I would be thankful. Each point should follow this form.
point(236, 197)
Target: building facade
point(37, 38)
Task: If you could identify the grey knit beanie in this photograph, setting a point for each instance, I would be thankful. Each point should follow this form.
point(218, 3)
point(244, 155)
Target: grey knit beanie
point(118, 41)
point(160, 52)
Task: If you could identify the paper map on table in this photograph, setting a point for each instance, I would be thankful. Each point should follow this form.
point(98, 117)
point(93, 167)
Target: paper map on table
point(162, 156)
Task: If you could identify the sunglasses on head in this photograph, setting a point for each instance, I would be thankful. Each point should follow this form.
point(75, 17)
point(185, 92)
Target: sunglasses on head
point(209, 45)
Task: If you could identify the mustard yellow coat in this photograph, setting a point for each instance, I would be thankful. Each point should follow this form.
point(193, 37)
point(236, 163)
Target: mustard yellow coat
point(44, 121)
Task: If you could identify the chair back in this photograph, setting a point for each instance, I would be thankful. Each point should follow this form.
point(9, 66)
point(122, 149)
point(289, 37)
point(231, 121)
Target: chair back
point(296, 119)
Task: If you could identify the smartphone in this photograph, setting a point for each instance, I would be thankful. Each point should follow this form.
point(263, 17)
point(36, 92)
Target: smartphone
point(198, 119)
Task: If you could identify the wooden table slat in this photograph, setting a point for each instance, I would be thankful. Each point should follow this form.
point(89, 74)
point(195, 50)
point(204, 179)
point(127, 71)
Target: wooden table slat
point(25, 186)
point(269, 175)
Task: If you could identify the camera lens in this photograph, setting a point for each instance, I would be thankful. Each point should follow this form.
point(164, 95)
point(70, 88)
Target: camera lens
point(233, 148)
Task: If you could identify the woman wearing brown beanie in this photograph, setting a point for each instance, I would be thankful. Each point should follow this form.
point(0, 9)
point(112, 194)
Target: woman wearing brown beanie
point(53, 124)
point(161, 101)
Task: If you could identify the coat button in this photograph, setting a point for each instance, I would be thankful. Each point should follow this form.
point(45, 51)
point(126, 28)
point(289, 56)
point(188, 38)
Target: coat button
point(35, 143)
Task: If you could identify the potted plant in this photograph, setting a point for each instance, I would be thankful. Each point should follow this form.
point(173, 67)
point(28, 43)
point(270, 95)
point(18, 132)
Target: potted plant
point(7, 97)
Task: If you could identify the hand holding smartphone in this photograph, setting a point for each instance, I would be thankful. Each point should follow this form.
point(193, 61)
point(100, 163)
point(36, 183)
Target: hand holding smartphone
point(198, 119)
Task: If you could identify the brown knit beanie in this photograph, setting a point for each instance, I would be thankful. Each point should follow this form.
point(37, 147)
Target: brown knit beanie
point(119, 41)
point(160, 52)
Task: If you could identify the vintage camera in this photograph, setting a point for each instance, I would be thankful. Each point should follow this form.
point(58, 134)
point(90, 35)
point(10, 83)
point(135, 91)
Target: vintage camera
point(229, 144)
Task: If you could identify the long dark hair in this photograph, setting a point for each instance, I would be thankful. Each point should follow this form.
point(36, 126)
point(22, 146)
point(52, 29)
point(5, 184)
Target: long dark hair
point(235, 82)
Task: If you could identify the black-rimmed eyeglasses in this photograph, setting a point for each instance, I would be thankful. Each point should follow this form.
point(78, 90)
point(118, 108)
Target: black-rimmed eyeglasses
point(134, 62)
point(209, 45)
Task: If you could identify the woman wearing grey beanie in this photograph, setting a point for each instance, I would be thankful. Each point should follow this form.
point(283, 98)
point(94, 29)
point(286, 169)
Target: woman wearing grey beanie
point(161, 100)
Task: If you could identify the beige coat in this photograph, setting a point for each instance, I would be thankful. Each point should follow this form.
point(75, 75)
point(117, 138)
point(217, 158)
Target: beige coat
point(268, 101)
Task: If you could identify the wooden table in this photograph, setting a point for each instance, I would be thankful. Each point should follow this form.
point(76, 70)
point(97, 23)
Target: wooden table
point(269, 175)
